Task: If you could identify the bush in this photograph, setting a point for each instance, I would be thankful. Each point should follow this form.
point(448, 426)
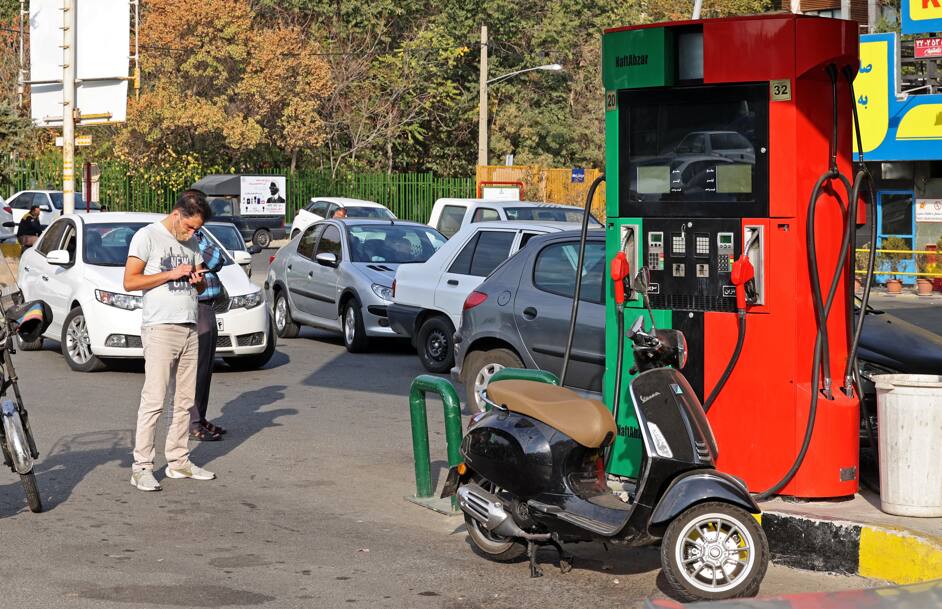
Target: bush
point(893, 263)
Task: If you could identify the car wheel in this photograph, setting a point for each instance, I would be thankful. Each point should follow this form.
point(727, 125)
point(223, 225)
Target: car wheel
point(354, 333)
point(262, 238)
point(284, 324)
point(32, 345)
point(76, 345)
point(256, 360)
point(436, 344)
point(480, 366)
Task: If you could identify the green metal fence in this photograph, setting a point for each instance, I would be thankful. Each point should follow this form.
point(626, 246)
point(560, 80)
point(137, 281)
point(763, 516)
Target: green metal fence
point(409, 195)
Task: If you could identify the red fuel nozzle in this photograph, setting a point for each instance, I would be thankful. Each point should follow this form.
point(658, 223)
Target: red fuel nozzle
point(619, 271)
point(743, 277)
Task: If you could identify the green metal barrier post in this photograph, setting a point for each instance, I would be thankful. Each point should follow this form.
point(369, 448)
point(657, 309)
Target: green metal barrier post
point(422, 385)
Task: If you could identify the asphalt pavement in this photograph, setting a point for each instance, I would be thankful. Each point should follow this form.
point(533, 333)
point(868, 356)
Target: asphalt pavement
point(308, 509)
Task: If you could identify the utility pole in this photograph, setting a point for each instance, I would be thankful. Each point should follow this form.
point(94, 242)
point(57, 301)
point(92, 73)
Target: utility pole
point(873, 15)
point(20, 86)
point(845, 9)
point(68, 106)
point(482, 101)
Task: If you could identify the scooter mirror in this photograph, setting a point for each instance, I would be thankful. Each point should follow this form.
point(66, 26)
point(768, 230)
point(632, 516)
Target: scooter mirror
point(637, 326)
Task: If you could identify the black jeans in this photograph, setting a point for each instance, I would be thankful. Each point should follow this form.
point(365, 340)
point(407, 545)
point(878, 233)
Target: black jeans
point(206, 335)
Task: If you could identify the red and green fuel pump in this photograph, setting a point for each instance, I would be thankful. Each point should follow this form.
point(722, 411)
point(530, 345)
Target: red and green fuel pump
point(729, 140)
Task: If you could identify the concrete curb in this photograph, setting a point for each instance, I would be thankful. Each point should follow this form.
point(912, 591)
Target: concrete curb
point(894, 555)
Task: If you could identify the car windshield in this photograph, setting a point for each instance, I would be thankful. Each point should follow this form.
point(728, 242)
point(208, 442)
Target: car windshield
point(227, 235)
point(375, 213)
point(393, 243)
point(108, 244)
point(79, 202)
point(547, 214)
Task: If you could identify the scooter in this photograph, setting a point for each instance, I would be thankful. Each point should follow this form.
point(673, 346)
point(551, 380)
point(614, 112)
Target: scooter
point(534, 474)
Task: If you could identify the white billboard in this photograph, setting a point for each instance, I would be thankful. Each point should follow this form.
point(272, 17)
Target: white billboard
point(262, 195)
point(102, 51)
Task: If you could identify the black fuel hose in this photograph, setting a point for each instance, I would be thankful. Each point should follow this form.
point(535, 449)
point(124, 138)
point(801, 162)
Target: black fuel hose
point(619, 362)
point(740, 339)
point(822, 307)
point(577, 292)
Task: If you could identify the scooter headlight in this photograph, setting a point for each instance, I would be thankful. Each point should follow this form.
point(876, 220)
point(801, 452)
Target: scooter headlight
point(660, 442)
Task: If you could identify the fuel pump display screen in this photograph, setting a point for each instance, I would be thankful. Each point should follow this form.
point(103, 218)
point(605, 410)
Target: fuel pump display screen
point(694, 151)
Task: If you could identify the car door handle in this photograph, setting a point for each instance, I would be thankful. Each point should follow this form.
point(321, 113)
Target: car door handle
point(289, 267)
point(452, 282)
point(310, 275)
point(529, 313)
point(45, 277)
point(26, 268)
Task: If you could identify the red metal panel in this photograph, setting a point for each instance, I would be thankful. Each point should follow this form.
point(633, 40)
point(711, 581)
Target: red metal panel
point(748, 50)
point(821, 41)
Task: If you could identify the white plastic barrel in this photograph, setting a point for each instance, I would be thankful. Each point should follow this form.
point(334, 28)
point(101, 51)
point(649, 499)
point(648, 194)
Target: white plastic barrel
point(909, 415)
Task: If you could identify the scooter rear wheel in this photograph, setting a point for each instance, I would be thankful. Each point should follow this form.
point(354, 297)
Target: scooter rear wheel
point(487, 544)
point(714, 551)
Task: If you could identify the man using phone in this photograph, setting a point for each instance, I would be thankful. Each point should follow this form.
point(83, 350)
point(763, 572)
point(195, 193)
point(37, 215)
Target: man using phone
point(162, 263)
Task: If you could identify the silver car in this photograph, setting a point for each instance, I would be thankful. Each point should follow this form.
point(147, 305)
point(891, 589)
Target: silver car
point(338, 275)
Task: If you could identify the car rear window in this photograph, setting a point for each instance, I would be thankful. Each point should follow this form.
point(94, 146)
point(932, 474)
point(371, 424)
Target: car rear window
point(377, 213)
point(449, 222)
point(547, 214)
point(555, 270)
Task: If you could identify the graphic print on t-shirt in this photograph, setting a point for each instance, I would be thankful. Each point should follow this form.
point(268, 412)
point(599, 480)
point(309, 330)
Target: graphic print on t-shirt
point(170, 261)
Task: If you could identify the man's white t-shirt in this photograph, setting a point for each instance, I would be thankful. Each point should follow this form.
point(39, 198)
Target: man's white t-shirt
point(173, 302)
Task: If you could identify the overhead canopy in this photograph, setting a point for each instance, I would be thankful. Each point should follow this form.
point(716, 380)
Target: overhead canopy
point(219, 185)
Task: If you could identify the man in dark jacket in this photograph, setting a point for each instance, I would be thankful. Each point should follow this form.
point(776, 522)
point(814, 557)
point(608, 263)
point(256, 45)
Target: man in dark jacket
point(29, 229)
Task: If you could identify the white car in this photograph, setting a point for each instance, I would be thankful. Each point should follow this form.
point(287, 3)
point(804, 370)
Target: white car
point(49, 202)
point(450, 215)
point(77, 268)
point(323, 208)
point(428, 298)
point(7, 233)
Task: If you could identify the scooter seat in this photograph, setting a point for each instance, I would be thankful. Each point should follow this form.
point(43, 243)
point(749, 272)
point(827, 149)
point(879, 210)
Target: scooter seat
point(588, 422)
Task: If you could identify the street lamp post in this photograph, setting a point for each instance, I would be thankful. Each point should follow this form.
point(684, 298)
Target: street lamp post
point(482, 102)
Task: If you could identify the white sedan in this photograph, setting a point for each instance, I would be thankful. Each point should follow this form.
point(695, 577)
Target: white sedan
point(324, 208)
point(77, 268)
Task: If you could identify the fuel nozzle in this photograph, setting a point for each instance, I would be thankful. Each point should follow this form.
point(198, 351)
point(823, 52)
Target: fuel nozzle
point(744, 278)
point(620, 272)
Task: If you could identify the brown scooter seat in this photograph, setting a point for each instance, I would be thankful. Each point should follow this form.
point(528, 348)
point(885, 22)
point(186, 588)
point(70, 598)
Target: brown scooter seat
point(587, 422)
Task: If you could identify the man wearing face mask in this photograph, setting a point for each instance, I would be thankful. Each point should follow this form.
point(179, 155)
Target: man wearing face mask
point(162, 263)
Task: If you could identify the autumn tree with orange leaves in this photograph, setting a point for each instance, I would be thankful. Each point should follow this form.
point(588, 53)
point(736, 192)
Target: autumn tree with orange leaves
point(221, 91)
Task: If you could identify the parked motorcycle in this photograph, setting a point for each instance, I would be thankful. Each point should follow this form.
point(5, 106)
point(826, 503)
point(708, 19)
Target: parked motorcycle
point(28, 321)
point(534, 474)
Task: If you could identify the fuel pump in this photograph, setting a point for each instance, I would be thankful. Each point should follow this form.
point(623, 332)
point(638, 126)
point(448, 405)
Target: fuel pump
point(727, 147)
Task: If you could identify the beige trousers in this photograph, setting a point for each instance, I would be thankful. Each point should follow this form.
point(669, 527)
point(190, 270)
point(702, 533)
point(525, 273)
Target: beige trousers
point(170, 352)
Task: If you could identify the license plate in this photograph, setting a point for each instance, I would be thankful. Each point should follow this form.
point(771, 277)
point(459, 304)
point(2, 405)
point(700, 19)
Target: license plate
point(220, 324)
point(451, 483)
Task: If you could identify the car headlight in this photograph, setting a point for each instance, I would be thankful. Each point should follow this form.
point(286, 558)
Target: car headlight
point(383, 291)
point(122, 301)
point(246, 301)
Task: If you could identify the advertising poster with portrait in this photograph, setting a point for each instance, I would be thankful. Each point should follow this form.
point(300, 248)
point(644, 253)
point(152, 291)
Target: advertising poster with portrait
point(262, 195)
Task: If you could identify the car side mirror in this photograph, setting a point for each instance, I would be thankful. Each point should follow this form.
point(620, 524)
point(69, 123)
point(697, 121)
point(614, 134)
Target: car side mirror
point(59, 257)
point(242, 257)
point(255, 249)
point(327, 259)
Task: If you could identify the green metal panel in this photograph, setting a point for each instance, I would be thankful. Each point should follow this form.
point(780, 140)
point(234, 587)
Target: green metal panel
point(633, 59)
point(629, 449)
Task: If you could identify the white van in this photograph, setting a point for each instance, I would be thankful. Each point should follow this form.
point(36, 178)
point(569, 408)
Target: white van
point(450, 215)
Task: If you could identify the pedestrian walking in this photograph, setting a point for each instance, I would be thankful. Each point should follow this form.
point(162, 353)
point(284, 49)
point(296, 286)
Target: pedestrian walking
point(162, 262)
point(207, 333)
point(29, 229)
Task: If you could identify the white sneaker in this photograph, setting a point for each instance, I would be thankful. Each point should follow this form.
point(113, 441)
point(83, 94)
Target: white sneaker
point(192, 471)
point(144, 480)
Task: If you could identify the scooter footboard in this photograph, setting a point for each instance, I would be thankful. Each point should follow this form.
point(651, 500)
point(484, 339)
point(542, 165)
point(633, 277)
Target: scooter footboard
point(698, 487)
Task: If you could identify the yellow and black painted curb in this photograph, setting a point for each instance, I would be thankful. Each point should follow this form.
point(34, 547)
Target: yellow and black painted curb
point(890, 554)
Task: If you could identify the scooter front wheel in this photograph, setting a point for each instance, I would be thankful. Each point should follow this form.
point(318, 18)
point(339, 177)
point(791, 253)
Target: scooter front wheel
point(714, 551)
point(32, 492)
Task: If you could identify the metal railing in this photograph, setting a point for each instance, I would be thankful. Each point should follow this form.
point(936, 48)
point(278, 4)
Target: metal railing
point(902, 256)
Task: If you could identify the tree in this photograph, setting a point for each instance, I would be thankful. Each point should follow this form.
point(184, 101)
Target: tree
point(223, 89)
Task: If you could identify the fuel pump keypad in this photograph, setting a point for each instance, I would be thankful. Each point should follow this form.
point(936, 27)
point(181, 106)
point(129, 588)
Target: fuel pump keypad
point(700, 260)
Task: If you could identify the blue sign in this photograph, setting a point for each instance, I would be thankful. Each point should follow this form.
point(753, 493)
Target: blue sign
point(578, 175)
point(921, 16)
point(894, 126)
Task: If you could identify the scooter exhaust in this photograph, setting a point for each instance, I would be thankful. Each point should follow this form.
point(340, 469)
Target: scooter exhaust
point(488, 510)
